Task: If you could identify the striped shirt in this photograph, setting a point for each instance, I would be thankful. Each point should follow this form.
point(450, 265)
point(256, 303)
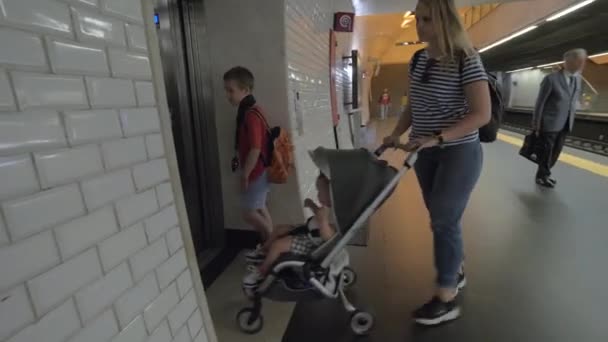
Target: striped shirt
point(440, 103)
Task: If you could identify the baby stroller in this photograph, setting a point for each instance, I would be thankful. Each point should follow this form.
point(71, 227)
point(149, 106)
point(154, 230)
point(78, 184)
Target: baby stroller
point(360, 183)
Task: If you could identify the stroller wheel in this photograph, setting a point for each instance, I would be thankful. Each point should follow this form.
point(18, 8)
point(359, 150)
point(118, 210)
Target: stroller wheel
point(249, 321)
point(349, 278)
point(361, 322)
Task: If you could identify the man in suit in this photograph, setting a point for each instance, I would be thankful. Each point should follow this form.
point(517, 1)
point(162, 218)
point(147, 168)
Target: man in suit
point(555, 110)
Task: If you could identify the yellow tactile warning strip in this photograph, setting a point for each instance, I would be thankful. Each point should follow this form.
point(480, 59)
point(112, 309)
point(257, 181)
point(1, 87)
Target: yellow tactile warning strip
point(581, 163)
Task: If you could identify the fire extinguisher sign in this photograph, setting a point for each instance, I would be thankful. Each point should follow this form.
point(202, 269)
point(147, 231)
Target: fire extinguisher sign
point(344, 22)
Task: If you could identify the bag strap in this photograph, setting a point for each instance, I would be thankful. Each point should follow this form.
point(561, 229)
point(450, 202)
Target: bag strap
point(261, 116)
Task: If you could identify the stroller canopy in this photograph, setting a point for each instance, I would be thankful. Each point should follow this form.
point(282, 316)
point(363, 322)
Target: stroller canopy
point(356, 178)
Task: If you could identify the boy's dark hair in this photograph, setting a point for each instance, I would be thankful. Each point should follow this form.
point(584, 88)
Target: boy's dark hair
point(242, 76)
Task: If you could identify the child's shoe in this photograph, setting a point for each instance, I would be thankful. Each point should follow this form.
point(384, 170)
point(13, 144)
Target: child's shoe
point(253, 278)
point(256, 256)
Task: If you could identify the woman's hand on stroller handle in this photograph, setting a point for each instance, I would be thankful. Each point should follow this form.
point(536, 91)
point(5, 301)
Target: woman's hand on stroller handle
point(391, 142)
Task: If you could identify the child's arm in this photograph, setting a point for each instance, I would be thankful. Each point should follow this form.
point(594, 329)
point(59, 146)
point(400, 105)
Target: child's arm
point(326, 230)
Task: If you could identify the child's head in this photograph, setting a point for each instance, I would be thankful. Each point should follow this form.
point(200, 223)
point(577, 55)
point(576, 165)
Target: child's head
point(238, 83)
point(323, 191)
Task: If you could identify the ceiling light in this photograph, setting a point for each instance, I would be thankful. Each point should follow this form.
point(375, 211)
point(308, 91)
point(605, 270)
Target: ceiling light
point(407, 14)
point(504, 40)
point(569, 10)
point(518, 70)
point(599, 55)
point(549, 64)
point(405, 22)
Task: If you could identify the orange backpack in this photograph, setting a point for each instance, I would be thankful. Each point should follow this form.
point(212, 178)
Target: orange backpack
point(280, 161)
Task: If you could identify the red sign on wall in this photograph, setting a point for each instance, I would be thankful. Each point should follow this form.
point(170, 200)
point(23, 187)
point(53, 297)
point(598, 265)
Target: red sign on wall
point(344, 22)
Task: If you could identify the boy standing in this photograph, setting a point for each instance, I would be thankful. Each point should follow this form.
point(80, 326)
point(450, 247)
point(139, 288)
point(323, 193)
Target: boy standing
point(251, 141)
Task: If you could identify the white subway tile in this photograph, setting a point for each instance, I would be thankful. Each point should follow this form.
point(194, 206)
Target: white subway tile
point(49, 15)
point(23, 132)
point(124, 152)
point(110, 92)
point(201, 337)
point(3, 234)
point(161, 334)
point(184, 283)
point(107, 188)
point(179, 316)
point(128, 64)
point(25, 49)
point(86, 2)
point(17, 176)
point(15, 311)
point(148, 259)
point(160, 307)
point(100, 295)
point(140, 121)
point(102, 329)
point(82, 233)
point(195, 323)
point(70, 57)
point(165, 194)
point(134, 332)
point(56, 326)
point(136, 37)
point(7, 100)
point(145, 93)
point(63, 166)
point(58, 284)
point(160, 223)
point(168, 271)
point(92, 126)
point(92, 26)
point(130, 9)
point(156, 147)
point(121, 246)
point(136, 299)
point(150, 174)
point(26, 259)
point(136, 207)
point(183, 335)
point(174, 240)
point(43, 90)
point(52, 207)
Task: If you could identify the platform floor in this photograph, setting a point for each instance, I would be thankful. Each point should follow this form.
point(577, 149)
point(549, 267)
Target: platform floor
point(537, 261)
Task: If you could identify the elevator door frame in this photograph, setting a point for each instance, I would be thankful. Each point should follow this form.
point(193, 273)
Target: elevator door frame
point(187, 71)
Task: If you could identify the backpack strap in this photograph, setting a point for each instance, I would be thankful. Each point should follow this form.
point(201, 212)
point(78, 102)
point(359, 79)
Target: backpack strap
point(261, 116)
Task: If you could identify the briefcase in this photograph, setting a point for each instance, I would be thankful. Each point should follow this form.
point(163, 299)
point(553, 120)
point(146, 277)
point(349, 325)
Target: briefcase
point(531, 149)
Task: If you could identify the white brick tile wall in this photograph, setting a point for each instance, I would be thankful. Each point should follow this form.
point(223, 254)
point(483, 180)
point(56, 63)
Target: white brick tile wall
point(160, 307)
point(184, 283)
point(136, 299)
point(101, 329)
point(94, 3)
point(140, 121)
point(58, 284)
point(7, 100)
point(43, 90)
point(128, 64)
point(17, 176)
point(100, 295)
point(107, 188)
point(23, 132)
point(195, 323)
point(25, 259)
point(48, 15)
point(130, 9)
point(183, 335)
point(110, 92)
point(174, 240)
point(119, 247)
point(165, 194)
point(92, 126)
point(123, 152)
point(161, 334)
point(57, 326)
point(150, 174)
point(82, 233)
point(136, 37)
point(52, 207)
point(64, 166)
point(3, 234)
point(145, 93)
point(70, 57)
point(170, 269)
point(148, 259)
point(134, 332)
point(179, 316)
point(26, 49)
point(156, 148)
point(201, 337)
point(15, 311)
point(92, 26)
point(136, 207)
point(160, 223)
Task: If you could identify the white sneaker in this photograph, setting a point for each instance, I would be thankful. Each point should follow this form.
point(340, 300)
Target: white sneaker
point(253, 278)
point(256, 256)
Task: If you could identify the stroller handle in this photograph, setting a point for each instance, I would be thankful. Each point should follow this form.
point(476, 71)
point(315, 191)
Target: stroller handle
point(411, 148)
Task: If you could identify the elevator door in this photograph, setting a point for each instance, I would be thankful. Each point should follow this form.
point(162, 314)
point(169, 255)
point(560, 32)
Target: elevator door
point(189, 91)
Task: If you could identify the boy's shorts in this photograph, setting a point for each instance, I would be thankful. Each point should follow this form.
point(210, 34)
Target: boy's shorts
point(257, 192)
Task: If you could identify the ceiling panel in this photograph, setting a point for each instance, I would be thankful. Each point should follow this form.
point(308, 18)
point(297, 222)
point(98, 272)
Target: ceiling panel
point(368, 7)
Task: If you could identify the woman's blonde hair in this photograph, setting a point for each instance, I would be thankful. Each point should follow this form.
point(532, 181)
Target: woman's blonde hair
point(452, 38)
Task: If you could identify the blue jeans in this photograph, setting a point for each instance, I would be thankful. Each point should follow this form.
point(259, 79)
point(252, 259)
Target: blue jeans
point(447, 176)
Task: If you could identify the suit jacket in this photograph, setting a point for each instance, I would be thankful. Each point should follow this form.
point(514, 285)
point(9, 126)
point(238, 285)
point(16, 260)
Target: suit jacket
point(556, 103)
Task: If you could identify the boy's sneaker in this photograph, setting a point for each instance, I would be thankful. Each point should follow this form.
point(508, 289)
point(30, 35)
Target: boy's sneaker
point(253, 278)
point(436, 312)
point(255, 256)
point(462, 281)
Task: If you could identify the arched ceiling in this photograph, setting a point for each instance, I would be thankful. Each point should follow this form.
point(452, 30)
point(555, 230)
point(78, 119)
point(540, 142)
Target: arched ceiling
point(371, 7)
